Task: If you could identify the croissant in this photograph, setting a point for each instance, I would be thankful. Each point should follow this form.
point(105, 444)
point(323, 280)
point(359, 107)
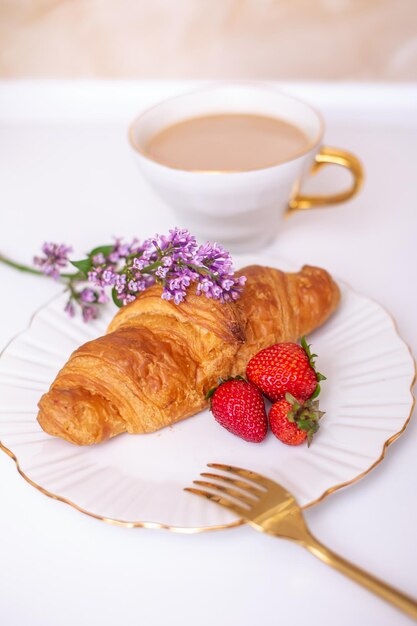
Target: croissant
point(158, 360)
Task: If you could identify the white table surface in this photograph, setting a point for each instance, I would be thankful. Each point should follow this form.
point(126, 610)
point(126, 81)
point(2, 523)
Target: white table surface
point(67, 174)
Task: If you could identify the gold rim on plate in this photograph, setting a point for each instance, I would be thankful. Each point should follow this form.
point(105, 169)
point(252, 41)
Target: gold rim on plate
point(239, 522)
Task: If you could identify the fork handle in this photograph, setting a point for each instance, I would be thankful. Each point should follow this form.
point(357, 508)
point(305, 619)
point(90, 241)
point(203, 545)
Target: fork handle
point(386, 592)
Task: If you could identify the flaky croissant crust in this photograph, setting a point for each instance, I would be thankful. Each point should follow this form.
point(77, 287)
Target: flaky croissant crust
point(158, 360)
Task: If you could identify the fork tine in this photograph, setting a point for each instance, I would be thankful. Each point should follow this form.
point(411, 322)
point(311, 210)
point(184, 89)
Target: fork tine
point(228, 504)
point(255, 491)
point(229, 492)
point(253, 476)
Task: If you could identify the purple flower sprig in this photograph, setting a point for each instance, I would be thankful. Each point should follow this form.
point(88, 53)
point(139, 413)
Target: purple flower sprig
point(55, 258)
point(176, 261)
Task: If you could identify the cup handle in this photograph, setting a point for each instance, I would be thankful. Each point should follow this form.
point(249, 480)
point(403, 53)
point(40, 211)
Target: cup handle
point(325, 156)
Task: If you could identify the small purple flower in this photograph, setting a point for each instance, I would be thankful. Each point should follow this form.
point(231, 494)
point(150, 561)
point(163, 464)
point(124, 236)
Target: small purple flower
point(88, 295)
point(98, 259)
point(89, 312)
point(108, 277)
point(113, 257)
point(139, 264)
point(69, 308)
point(162, 272)
point(206, 284)
point(129, 298)
point(132, 285)
point(227, 283)
point(217, 292)
point(148, 254)
point(179, 297)
point(121, 250)
point(103, 276)
point(102, 297)
point(120, 282)
point(56, 257)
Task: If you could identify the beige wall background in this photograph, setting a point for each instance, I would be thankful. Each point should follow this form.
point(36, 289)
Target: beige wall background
point(284, 39)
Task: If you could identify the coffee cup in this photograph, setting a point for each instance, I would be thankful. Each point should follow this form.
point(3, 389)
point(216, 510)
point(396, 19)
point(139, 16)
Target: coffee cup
point(240, 208)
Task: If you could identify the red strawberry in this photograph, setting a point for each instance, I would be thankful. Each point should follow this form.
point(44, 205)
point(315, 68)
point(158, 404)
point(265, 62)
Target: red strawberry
point(293, 422)
point(239, 407)
point(285, 367)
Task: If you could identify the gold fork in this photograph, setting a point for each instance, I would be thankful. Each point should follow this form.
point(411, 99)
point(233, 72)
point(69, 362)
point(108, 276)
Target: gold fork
point(269, 508)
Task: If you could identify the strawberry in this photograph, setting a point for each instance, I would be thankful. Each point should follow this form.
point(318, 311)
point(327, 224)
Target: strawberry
point(285, 367)
point(239, 407)
point(293, 422)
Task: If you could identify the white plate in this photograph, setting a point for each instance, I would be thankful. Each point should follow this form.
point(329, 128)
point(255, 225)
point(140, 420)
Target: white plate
point(138, 480)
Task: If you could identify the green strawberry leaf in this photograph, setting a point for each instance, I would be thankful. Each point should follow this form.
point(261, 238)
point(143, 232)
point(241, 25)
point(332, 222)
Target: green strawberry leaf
point(210, 393)
point(314, 428)
point(306, 347)
point(316, 392)
point(291, 400)
point(220, 382)
point(291, 416)
point(311, 357)
point(307, 418)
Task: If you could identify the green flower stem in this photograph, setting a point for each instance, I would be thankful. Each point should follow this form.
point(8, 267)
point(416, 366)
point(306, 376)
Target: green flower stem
point(151, 267)
point(19, 266)
point(31, 270)
point(72, 291)
point(203, 270)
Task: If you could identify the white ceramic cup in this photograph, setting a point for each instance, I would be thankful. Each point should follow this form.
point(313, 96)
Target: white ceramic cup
point(240, 209)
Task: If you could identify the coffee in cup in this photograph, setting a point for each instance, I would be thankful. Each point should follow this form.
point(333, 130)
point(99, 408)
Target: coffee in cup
point(230, 160)
point(227, 142)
